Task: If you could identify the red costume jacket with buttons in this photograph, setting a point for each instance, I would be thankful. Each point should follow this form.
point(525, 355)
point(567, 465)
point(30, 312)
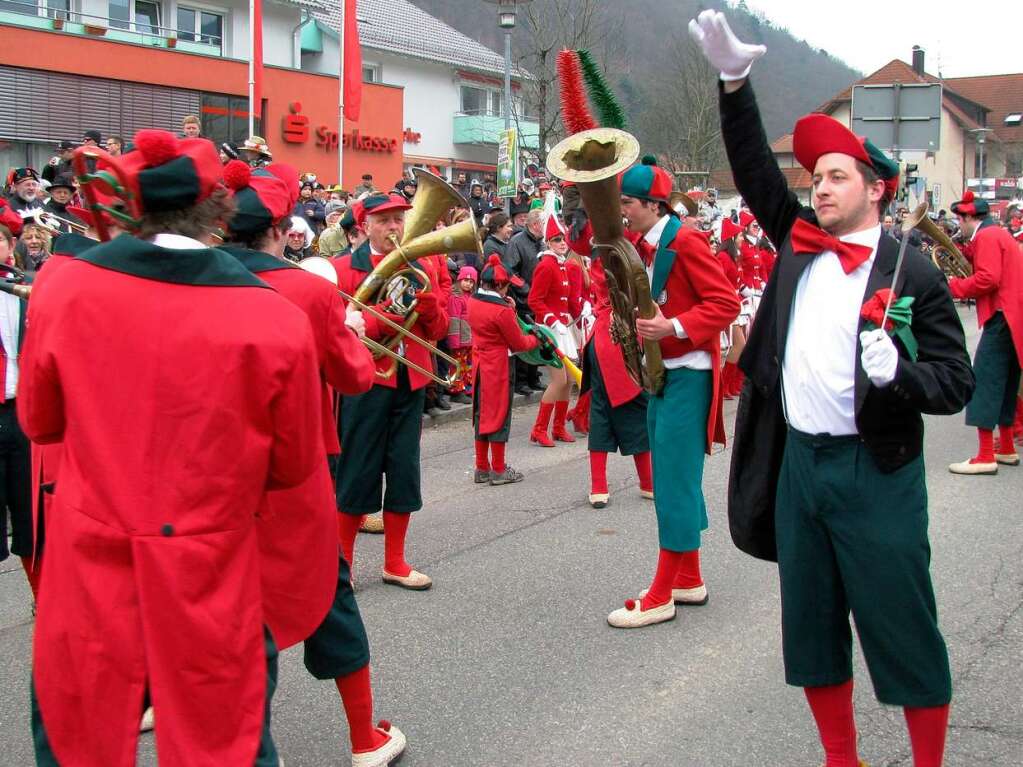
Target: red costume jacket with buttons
point(346, 366)
point(997, 279)
point(183, 389)
point(550, 293)
point(729, 268)
point(432, 324)
point(690, 286)
point(618, 383)
point(495, 332)
point(576, 287)
point(750, 265)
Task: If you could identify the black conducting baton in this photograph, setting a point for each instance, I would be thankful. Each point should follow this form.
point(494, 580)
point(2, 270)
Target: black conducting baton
point(908, 225)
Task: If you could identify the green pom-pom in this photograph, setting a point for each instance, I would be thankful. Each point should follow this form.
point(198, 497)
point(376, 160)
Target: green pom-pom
point(608, 108)
point(649, 159)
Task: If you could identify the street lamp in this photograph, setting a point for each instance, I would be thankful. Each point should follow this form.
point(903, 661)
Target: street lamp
point(980, 135)
point(506, 12)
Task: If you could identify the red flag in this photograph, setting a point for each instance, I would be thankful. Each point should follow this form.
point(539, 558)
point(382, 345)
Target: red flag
point(352, 66)
point(257, 58)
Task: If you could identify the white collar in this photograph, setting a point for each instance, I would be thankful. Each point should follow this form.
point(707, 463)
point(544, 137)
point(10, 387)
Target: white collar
point(974, 235)
point(485, 292)
point(177, 242)
point(869, 237)
point(653, 237)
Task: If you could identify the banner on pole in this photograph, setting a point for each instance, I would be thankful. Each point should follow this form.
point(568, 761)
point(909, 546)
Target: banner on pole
point(508, 163)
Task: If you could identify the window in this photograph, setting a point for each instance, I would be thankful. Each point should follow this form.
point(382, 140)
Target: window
point(474, 100)
point(1014, 119)
point(226, 118)
point(54, 9)
point(58, 9)
point(200, 26)
point(144, 13)
point(371, 73)
point(495, 103)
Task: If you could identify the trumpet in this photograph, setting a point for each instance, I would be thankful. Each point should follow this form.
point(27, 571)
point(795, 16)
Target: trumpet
point(53, 223)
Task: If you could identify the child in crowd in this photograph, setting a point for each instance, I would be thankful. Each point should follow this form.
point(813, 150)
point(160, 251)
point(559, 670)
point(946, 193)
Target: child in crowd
point(460, 335)
point(495, 334)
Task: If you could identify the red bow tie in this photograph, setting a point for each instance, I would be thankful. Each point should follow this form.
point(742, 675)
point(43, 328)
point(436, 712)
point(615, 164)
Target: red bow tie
point(646, 251)
point(807, 238)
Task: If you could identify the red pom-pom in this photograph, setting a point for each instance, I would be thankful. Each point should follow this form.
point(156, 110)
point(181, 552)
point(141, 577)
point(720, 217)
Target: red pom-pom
point(384, 725)
point(630, 604)
point(157, 146)
point(967, 196)
point(493, 260)
point(237, 175)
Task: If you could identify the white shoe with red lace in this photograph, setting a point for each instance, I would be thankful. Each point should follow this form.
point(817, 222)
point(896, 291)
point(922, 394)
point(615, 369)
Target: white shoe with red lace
point(633, 616)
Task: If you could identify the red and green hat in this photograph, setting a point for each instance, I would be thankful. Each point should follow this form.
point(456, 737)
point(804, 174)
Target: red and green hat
point(971, 205)
point(647, 181)
point(262, 197)
point(168, 173)
point(382, 203)
point(817, 134)
point(495, 273)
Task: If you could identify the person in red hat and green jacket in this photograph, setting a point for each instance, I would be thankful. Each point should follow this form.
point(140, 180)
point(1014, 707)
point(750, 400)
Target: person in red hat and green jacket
point(997, 286)
point(827, 474)
point(152, 559)
point(336, 646)
point(380, 430)
point(695, 304)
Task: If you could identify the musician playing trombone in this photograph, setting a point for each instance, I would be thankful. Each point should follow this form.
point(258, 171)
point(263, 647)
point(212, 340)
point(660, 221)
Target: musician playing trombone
point(827, 471)
point(380, 430)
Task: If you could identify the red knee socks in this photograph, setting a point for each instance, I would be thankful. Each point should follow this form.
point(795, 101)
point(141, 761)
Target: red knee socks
point(833, 711)
point(688, 575)
point(33, 572)
point(497, 457)
point(645, 471)
point(347, 529)
point(598, 472)
point(395, 527)
point(1005, 446)
point(357, 699)
point(986, 450)
point(660, 590)
point(482, 462)
point(927, 729)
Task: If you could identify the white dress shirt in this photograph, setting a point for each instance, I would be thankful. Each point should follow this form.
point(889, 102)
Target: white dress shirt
point(10, 308)
point(695, 360)
point(177, 242)
point(819, 369)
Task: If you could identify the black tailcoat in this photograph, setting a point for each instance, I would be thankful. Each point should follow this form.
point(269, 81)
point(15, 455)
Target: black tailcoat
point(888, 419)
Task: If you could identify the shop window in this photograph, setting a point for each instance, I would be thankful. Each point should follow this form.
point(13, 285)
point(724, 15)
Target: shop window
point(226, 118)
point(145, 15)
point(474, 100)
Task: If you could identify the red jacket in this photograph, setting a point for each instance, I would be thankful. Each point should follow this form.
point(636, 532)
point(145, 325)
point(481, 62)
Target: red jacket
point(997, 280)
point(576, 287)
point(729, 268)
point(550, 293)
point(431, 326)
point(183, 389)
point(689, 285)
point(750, 265)
point(618, 383)
point(495, 332)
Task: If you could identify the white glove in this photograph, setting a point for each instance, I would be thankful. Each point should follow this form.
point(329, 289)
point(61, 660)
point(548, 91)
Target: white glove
point(560, 327)
point(746, 291)
point(722, 48)
point(355, 320)
point(880, 358)
point(587, 310)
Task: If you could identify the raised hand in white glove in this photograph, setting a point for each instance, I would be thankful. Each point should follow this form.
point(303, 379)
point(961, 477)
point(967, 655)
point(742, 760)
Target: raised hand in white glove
point(880, 358)
point(721, 47)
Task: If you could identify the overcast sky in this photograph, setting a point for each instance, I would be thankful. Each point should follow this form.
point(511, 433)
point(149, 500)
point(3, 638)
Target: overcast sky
point(979, 38)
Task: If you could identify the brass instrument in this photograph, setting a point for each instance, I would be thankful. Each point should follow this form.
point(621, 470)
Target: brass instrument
point(397, 278)
point(945, 255)
point(52, 223)
point(14, 285)
point(593, 159)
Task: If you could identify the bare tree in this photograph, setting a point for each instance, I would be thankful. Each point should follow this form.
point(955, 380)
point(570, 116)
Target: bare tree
point(552, 25)
point(682, 124)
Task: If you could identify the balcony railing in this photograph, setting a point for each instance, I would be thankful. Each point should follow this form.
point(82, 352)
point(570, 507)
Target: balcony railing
point(486, 129)
point(28, 14)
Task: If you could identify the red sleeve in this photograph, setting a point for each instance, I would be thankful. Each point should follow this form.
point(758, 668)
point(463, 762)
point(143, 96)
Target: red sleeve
point(40, 399)
point(516, 340)
point(987, 269)
point(728, 266)
point(295, 412)
point(348, 365)
point(718, 304)
point(538, 290)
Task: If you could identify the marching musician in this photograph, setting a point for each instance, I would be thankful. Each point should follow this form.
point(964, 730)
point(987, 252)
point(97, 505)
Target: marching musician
point(380, 430)
point(555, 304)
point(729, 256)
point(997, 286)
point(166, 461)
point(495, 335)
point(695, 303)
point(336, 646)
point(827, 475)
point(749, 252)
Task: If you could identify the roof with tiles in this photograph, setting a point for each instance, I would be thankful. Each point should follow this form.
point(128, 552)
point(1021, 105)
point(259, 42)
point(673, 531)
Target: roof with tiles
point(399, 27)
point(1002, 94)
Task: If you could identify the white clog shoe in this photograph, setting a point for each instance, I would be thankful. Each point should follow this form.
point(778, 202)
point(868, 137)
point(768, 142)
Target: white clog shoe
point(387, 753)
point(969, 467)
point(414, 581)
point(633, 616)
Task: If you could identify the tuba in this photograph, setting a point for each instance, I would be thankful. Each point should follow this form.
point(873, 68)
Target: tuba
point(593, 159)
point(945, 255)
point(397, 277)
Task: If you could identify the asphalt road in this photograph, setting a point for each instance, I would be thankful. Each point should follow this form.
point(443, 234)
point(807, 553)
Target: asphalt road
point(508, 660)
